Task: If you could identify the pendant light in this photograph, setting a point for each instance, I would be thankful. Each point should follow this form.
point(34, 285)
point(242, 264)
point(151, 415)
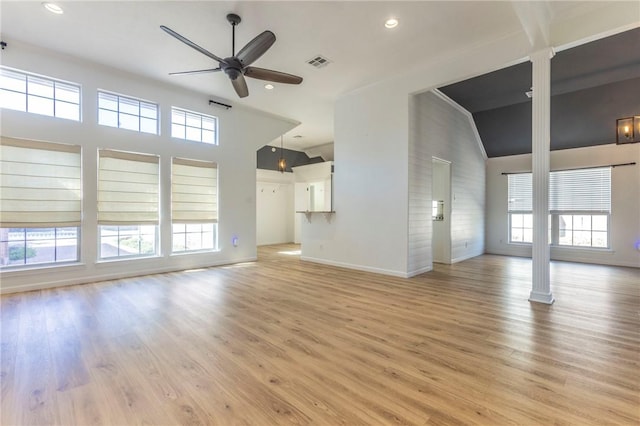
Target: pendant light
point(282, 163)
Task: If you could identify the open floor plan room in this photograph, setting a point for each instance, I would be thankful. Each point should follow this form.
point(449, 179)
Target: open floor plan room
point(281, 341)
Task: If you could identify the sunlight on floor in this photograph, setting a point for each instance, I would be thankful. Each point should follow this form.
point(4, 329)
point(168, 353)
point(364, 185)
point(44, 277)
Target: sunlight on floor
point(291, 252)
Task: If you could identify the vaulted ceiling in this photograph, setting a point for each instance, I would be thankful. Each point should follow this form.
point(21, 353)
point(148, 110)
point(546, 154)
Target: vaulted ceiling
point(591, 86)
point(126, 35)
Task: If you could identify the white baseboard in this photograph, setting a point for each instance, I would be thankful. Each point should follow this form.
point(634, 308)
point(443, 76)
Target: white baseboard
point(599, 260)
point(468, 256)
point(390, 272)
point(419, 271)
point(42, 285)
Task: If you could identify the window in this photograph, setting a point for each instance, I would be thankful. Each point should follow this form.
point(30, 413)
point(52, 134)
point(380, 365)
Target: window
point(194, 236)
point(579, 204)
point(127, 113)
point(127, 241)
point(40, 202)
point(194, 126)
point(128, 197)
point(27, 92)
point(194, 205)
point(28, 246)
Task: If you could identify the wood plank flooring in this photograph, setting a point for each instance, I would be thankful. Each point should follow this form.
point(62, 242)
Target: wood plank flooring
point(280, 341)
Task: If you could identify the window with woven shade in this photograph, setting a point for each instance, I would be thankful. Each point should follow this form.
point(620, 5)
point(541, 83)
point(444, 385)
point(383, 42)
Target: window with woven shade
point(194, 205)
point(40, 202)
point(128, 203)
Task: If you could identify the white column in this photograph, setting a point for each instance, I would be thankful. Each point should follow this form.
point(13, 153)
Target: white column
point(541, 136)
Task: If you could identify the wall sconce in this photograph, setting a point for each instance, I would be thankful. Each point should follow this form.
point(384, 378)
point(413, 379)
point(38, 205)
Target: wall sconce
point(628, 130)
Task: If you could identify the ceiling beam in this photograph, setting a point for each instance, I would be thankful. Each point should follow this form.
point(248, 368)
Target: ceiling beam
point(535, 19)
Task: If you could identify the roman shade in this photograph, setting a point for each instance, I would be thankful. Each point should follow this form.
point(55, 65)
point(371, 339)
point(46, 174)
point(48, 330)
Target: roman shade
point(127, 188)
point(194, 191)
point(40, 184)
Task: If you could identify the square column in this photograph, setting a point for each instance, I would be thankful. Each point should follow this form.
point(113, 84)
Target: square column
point(541, 147)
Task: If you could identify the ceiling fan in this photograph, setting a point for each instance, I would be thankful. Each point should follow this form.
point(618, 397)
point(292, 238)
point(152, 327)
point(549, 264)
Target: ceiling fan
point(238, 66)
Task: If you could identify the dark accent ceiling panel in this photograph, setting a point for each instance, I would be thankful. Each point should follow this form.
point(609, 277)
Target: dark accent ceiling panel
point(578, 119)
point(493, 90)
point(505, 131)
point(268, 159)
point(591, 86)
point(588, 117)
point(603, 61)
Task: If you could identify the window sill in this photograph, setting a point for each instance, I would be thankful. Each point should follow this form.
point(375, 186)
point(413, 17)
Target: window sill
point(38, 267)
point(190, 252)
point(125, 259)
point(563, 248)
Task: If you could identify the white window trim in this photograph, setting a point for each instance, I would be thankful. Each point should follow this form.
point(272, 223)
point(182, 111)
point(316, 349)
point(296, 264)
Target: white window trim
point(54, 99)
point(139, 116)
point(201, 115)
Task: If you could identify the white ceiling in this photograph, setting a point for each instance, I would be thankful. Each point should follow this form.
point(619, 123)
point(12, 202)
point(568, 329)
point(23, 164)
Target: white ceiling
point(126, 35)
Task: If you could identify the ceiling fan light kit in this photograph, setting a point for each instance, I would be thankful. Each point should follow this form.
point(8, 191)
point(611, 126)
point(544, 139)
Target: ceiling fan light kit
point(237, 67)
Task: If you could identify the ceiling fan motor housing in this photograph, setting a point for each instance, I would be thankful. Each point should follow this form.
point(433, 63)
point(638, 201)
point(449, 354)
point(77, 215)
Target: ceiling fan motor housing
point(231, 67)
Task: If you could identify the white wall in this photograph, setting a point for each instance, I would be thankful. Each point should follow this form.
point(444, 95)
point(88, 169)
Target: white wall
point(440, 129)
point(625, 203)
point(370, 229)
point(274, 207)
point(242, 132)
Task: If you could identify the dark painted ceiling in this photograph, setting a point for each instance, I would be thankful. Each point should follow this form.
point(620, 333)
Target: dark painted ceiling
point(591, 86)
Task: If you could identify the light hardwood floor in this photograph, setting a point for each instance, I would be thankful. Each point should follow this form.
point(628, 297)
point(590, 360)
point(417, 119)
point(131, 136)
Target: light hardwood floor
point(282, 341)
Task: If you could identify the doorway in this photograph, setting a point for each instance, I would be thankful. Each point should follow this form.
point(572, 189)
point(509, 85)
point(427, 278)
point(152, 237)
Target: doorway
point(441, 210)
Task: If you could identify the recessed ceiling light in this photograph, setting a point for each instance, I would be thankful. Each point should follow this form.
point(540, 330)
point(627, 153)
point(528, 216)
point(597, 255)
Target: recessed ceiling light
point(53, 8)
point(268, 86)
point(391, 23)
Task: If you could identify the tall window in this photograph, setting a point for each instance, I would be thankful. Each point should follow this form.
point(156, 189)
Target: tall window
point(194, 126)
point(579, 204)
point(194, 205)
point(40, 202)
point(27, 92)
point(127, 113)
point(128, 197)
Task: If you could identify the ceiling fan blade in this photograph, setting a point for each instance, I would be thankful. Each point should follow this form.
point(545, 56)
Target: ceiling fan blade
point(190, 43)
point(240, 84)
point(196, 71)
point(270, 75)
point(256, 48)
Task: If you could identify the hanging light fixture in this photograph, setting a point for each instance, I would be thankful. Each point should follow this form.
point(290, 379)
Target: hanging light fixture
point(282, 163)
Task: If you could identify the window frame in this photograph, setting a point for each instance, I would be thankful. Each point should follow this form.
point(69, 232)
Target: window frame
point(139, 234)
point(25, 243)
point(554, 215)
point(200, 116)
point(214, 246)
point(124, 99)
point(54, 98)
point(139, 198)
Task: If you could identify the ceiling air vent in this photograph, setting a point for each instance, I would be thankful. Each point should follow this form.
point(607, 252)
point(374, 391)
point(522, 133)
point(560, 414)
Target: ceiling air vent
point(319, 61)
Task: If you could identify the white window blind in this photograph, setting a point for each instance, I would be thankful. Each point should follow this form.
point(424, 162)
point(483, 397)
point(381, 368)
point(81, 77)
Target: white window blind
point(40, 184)
point(520, 190)
point(587, 190)
point(194, 191)
point(127, 188)
point(580, 190)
